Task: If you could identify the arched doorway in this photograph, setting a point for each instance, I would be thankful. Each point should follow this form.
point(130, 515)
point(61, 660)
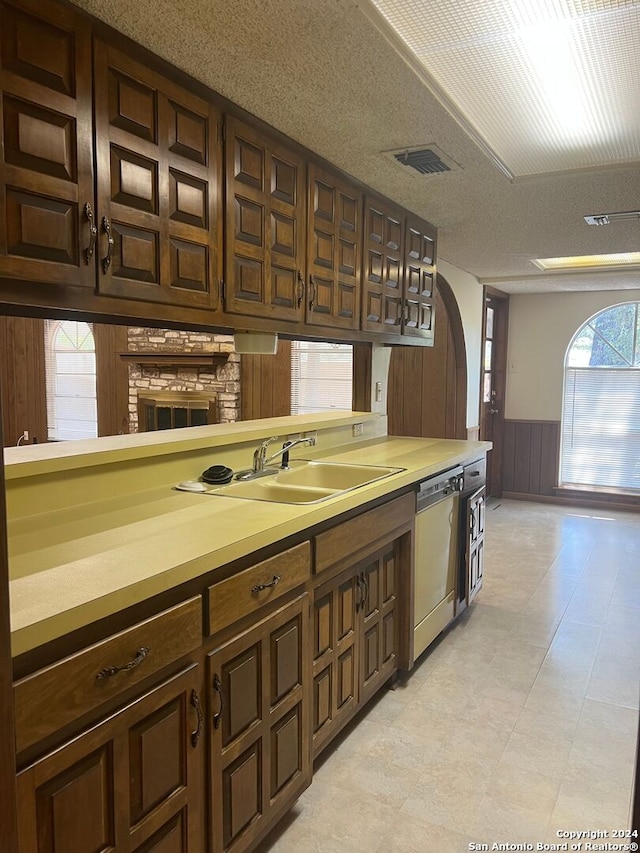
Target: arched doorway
point(428, 385)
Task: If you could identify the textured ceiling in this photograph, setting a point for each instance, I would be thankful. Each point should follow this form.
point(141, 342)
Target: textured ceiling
point(325, 73)
point(547, 86)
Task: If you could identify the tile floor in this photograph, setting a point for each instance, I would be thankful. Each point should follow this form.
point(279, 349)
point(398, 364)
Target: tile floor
point(519, 722)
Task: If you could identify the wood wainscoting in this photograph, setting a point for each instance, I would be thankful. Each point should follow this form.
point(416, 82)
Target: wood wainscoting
point(531, 468)
point(265, 384)
point(530, 458)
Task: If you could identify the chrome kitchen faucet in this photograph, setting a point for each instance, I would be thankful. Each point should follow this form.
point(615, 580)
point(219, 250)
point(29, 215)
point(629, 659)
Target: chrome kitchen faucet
point(261, 462)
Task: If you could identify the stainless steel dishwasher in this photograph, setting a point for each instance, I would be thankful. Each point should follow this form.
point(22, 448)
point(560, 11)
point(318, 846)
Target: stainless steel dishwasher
point(436, 555)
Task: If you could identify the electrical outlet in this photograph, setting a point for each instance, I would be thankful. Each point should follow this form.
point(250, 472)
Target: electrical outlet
point(312, 433)
point(357, 429)
point(25, 435)
point(378, 392)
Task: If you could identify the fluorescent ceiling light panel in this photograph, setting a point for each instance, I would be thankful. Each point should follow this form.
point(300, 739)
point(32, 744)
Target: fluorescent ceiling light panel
point(547, 86)
point(585, 262)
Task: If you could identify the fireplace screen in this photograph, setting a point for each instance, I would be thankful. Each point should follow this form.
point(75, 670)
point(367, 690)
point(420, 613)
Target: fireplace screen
point(174, 409)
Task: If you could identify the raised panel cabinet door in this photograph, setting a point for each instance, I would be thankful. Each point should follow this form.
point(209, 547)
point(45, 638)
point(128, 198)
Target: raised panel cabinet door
point(128, 784)
point(334, 239)
point(159, 165)
point(47, 206)
point(379, 624)
point(418, 313)
point(335, 657)
point(382, 272)
point(475, 543)
point(265, 226)
point(258, 716)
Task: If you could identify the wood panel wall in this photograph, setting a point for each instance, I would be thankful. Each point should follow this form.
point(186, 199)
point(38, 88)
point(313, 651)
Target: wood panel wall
point(265, 384)
point(112, 379)
point(361, 391)
point(22, 379)
point(530, 457)
point(424, 397)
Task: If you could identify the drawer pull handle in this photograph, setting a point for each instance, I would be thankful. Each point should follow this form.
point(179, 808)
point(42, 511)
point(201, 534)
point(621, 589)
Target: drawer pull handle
point(360, 592)
point(195, 702)
point(108, 671)
point(260, 586)
point(217, 686)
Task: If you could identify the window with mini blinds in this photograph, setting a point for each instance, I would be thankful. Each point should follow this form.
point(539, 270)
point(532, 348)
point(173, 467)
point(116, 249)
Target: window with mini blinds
point(70, 367)
point(600, 442)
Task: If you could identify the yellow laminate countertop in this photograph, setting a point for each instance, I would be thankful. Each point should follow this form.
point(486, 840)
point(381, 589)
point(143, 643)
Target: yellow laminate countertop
point(153, 540)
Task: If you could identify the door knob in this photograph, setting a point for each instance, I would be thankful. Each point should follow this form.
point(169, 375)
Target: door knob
point(494, 411)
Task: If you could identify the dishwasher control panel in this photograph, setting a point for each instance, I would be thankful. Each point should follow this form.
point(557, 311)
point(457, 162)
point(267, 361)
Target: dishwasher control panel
point(438, 487)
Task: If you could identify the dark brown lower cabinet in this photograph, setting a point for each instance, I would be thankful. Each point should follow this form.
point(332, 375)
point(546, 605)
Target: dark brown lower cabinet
point(129, 784)
point(260, 756)
point(355, 640)
point(474, 557)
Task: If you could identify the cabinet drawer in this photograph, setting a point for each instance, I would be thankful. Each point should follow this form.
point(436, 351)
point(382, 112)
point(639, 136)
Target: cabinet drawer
point(53, 697)
point(251, 589)
point(346, 540)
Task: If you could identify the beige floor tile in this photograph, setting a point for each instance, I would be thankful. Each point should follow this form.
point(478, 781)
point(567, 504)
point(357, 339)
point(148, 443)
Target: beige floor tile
point(615, 678)
point(420, 836)
point(546, 753)
point(500, 822)
point(519, 721)
point(585, 806)
point(332, 817)
point(523, 788)
point(450, 792)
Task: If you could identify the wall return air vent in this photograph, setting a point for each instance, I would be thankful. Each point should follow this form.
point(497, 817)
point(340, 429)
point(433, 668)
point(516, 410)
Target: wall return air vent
point(425, 159)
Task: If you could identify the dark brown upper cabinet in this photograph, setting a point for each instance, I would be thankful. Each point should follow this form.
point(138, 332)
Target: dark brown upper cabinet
point(334, 239)
point(159, 162)
point(265, 217)
point(120, 197)
point(419, 278)
point(398, 272)
point(383, 256)
point(46, 175)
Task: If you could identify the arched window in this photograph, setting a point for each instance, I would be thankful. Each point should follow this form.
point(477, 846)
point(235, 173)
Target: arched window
point(600, 443)
point(70, 366)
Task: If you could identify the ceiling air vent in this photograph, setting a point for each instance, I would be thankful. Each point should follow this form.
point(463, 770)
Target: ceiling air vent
point(425, 159)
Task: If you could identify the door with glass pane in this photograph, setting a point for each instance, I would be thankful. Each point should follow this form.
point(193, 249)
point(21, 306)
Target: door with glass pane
point(493, 380)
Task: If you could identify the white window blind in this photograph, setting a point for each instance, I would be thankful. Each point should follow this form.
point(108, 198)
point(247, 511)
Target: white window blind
point(70, 367)
point(601, 428)
point(321, 377)
point(600, 441)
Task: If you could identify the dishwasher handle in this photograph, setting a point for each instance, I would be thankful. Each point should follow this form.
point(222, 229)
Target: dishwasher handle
point(437, 488)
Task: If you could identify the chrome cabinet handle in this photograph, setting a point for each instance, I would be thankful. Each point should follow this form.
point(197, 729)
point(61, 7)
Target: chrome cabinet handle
point(106, 261)
point(195, 702)
point(260, 586)
point(108, 671)
point(312, 287)
point(93, 233)
point(300, 289)
point(217, 686)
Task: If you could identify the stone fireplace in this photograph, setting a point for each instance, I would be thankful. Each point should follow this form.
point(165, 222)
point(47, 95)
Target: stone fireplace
point(164, 360)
